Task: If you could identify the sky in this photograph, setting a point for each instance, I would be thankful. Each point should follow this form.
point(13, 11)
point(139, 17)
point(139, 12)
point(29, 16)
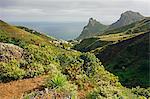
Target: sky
point(105, 11)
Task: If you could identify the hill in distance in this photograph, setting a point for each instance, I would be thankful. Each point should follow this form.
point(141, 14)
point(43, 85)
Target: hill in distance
point(95, 28)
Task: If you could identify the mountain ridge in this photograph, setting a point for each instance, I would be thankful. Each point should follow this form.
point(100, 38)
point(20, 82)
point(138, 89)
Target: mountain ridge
point(126, 18)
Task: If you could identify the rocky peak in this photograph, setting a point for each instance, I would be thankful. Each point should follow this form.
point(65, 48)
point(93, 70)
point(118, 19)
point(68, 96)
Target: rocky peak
point(92, 22)
point(93, 28)
point(127, 18)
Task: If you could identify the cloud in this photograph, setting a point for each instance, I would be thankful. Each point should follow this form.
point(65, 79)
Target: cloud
point(70, 10)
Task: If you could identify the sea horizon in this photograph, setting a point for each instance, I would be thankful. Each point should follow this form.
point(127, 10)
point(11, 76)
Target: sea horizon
point(59, 30)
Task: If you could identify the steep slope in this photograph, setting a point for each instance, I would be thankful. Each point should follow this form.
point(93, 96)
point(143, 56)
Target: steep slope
point(129, 59)
point(136, 27)
point(69, 71)
point(93, 28)
point(127, 18)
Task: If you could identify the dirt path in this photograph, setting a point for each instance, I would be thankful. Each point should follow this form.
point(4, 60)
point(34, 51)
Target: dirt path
point(15, 89)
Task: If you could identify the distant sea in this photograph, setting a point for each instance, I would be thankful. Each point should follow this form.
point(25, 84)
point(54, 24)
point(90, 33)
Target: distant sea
point(65, 31)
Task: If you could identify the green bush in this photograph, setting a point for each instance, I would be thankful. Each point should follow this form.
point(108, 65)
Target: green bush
point(90, 63)
point(74, 69)
point(141, 91)
point(65, 59)
point(57, 81)
point(34, 69)
point(11, 71)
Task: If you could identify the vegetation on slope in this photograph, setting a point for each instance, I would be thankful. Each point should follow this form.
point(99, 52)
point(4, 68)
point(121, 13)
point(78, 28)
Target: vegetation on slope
point(126, 54)
point(14, 35)
point(82, 74)
point(99, 42)
point(90, 44)
point(129, 60)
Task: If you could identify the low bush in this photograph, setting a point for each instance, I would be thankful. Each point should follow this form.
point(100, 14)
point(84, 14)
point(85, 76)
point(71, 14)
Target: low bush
point(90, 63)
point(57, 81)
point(34, 69)
point(11, 71)
point(59, 84)
point(142, 91)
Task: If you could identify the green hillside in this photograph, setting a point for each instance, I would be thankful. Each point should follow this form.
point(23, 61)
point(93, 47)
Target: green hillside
point(70, 73)
point(129, 60)
point(121, 57)
point(90, 44)
point(14, 35)
point(99, 42)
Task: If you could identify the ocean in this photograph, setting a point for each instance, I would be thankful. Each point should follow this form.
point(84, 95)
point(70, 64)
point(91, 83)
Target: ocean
point(59, 30)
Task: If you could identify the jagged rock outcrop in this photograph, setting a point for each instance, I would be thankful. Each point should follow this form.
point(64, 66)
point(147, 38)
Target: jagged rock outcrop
point(127, 18)
point(93, 28)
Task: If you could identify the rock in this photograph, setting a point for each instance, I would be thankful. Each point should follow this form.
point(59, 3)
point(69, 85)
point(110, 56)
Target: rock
point(46, 90)
point(9, 52)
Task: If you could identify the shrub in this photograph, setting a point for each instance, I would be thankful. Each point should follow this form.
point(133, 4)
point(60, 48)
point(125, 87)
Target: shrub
point(90, 63)
point(65, 59)
point(34, 69)
point(58, 80)
point(141, 91)
point(39, 54)
point(11, 70)
point(58, 83)
point(73, 69)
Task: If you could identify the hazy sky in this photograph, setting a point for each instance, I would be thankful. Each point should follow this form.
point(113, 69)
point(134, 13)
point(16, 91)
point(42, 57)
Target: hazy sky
point(106, 11)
